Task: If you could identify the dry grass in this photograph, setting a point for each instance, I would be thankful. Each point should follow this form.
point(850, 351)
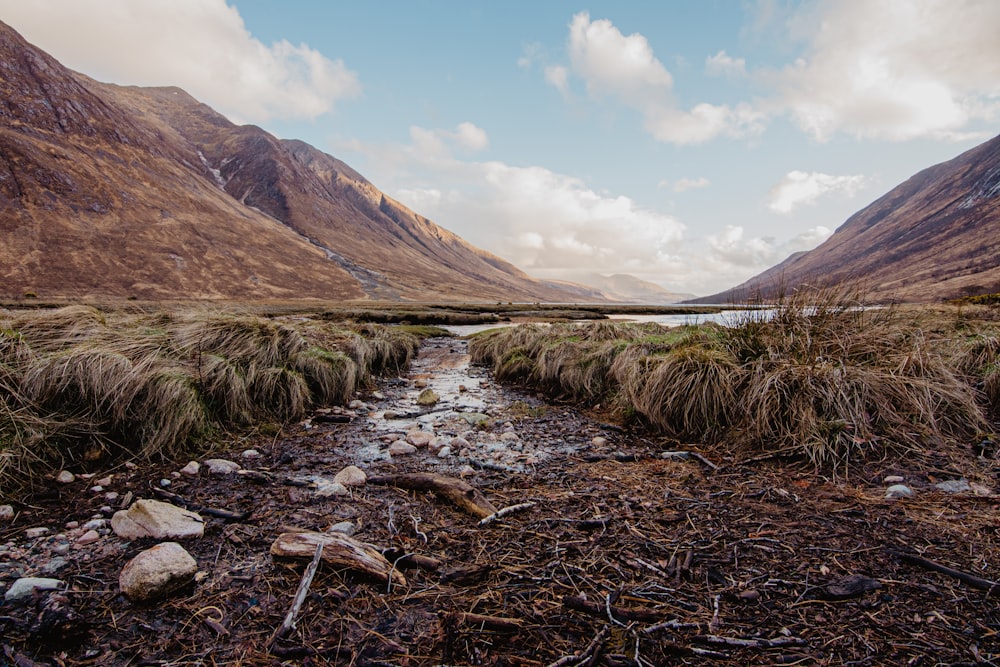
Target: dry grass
point(820, 375)
point(78, 384)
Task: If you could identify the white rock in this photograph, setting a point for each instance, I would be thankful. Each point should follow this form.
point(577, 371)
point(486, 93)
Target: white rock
point(157, 572)
point(111, 496)
point(164, 482)
point(444, 452)
point(94, 524)
point(509, 436)
point(65, 477)
point(898, 491)
point(97, 489)
point(419, 438)
point(221, 466)
point(104, 481)
point(437, 443)
point(351, 476)
point(89, 537)
point(599, 441)
point(33, 533)
point(893, 479)
point(250, 454)
point(191, 469)
point(378, 396)
point(326, 488)
point(25, 586)
point(6, 512)
point(401, 448)
point(356, 405)
point(156, 519)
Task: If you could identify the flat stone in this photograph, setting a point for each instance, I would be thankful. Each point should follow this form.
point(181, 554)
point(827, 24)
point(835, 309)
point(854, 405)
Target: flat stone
point(326, 488)
point(191, 469)
point(55, 565)
point(419, 438)
point(894, 479)
point(89, 537)
point(65, 477)
point(35, 533)
point(898, 491)
point(94, 524)
point(221, 466)
point(104, 481)
point(401, 448)
point(378, 396)
point(351, 476)
point(6, 512)
point(26, 586)
point(953, 486)
point(428, 397)
point(157, 572)
point(156, 519)
point(474, 418)
point(459, 443)
point(250, 454)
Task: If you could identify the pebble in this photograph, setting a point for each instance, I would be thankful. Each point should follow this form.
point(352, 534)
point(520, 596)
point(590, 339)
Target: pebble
point(356, 405)
point(953, 486)
point(894, 479)
point(345, 527)
point(61, 548)
point(89, 537)
point(420, 384)
point(750, 594)
point(328, 489)
point(175, 475)
point(599, 441)
point(35, 533)
point(221, 466)
point(419, 438)
point(55, 565)
point(401, 448)
point(509, 436)
point(65, 477)
point(6, 512)
point(97, 489)
point(898, 491)
point(93, 524)
point(25, 586)
point(351, 476)
point(70, 525)
point(428, 397)
point(444, 452)
point(466, 471)
point(378, 396)
point(111, 496)
point(104, 481)
point(437, 443)
point(164, 482)
point(130, 465)
point(191, 469)
point(250, 454)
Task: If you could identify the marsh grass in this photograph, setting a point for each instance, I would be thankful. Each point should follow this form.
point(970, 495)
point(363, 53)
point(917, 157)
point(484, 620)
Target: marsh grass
point(79, 385)
point(820, 375)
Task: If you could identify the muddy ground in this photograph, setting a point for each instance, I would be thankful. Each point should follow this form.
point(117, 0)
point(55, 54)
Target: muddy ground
point(624, 558)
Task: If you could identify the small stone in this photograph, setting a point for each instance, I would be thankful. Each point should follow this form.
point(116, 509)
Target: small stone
point(250, 454)
point(351, 476)
point(89, 537)
point(221, 466)
point(55, 565)
point(428, 397)
point(70, 525)
point(420, 384)
point(111, 496)
point(175, 475)
point(419, 438)
point(61, 548)
point(599, 441)
point(97, 489)
point(130, 465)
point(509, 436)
point(389, 414)
point(164, 482)
point(94, 524)
point(6, 512)
point(893, 479)
point(104, 481)
point(157, 572)
point(462, 389)
point(345, 527)
point(474, 418)
point(65, 477)
point(953, 486)
point(466, 471)
point(749, 595)
point(444, 452)
point(26, 586)
point(459, 443)
point(356, 405)
point(436, 443)
point(160, 520)
point(328, 489)
point(191, 469)
point(378, 396)
point(35, 533)
point(898, 491)
point(401, 448)
point(677, 456)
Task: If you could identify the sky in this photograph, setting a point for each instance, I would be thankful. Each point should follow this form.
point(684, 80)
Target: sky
point(690, 143)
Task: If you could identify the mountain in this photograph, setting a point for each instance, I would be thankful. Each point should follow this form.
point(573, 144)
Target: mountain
point(625, 288)
point(146, 192)
point(934, 237)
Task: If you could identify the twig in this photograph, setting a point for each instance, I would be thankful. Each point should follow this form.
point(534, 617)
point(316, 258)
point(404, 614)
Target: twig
point(499, 514)
point(704, 460)
point(967, 579)
point(300, 596)
point(592, 649)
point(674, 624)
point(739, 642)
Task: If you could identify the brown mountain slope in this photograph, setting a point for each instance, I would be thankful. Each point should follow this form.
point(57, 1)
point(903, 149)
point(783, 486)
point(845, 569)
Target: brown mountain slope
point(936, 236)
point(146, 192)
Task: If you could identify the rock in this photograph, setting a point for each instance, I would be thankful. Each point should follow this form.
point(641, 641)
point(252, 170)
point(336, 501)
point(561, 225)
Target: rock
point(191, 469)
point(6, 512)
point(401, 448)
point(428, 397)
point(26, 586)
point(65, 477)
point(466, 471)
point(94, 524)
point(749, 595)
point(599, 441)
point(437, 443)
point(894, 479)
point(156, 519)
point(851, 586)
point(389, 414)
point(221, 466)
point(509, 436)
point(378, 396)
point(474, 418)
point(157, 572)
point(351, 476)
point(55, 565)
point(444, 452)
point(61, 549)
point(462, 389)
point(459, 443)
point(419, 438)
point(420, 384)
point(35, 533)
point(898, 491)
point(953, 486)
point(344, 527)
point(164, 482)
point(111, 496)
point(356, 405)
point(677, 456)
point(71, 525)
point(250, 454)
point(97, 489)
point(89, 537)
point(104, 481)
point(326, 488)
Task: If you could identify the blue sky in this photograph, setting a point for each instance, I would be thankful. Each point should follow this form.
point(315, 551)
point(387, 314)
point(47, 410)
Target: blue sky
point(692, 144)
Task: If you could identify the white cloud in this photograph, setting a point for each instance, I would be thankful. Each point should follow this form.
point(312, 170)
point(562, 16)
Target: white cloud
point(439, 144)
point(893, 70)
point(626, 69)
point(732, 254)
point(202, 46)
point(685, 184)
point(722, 64)
point(558, 76)
point(799, 188)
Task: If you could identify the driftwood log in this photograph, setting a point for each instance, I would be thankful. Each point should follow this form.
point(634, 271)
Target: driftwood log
point(465, 497)
point(338, 550)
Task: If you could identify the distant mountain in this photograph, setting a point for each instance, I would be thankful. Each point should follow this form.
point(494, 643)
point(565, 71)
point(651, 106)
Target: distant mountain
point(625, 288)
point(146, 192)
point(936, 236)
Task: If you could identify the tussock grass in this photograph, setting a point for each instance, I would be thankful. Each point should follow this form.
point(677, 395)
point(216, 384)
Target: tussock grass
point(79, 385)
point(819, 375)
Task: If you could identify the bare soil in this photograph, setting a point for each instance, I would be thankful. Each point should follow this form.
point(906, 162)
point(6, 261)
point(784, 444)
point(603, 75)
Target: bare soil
point(625, 558)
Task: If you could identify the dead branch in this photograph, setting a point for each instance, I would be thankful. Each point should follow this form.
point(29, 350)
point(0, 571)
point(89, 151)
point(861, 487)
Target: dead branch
point(481, 622)
point(598, 610)
point(965, 578)
point(338, 550)
point(462, 495)
point(506, 511)
point(739, 642)
point(587, 657)
point(300, 596)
